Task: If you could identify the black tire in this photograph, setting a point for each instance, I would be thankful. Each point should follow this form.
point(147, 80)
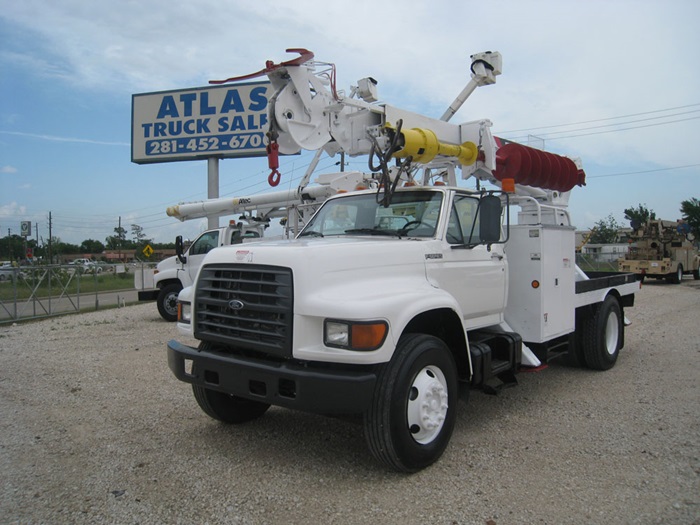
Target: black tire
point(412, 415)
point(574, 356)
point(226, 407)
point(602, 335)
point(678, 276)
point(696, 275)
point(167, 301)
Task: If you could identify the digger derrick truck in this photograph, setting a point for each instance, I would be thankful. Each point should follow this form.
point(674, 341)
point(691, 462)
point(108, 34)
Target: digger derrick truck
point(661, 250)
point(395, 301)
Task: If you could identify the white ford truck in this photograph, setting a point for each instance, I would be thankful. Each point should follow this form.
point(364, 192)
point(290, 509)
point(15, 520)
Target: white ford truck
point(388, 312)
point(394, 301)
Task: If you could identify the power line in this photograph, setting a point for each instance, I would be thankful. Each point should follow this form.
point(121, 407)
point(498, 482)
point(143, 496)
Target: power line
point(641, 172)
point(624, 129)
point(550, 133)
point(601, 119)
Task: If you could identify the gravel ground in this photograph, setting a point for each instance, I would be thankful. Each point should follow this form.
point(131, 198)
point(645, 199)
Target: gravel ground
point(95, 429)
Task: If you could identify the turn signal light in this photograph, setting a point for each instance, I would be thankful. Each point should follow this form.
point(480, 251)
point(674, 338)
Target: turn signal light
point(367, 336)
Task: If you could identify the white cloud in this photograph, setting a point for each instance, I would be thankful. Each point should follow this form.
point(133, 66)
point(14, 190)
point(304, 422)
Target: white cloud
point(12, 210)
point(8, 169)
point(56, 138)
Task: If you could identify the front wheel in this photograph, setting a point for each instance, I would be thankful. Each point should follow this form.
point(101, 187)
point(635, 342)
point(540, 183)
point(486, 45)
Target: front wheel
point(602, 335)
point(167, 301)
point(411, 419)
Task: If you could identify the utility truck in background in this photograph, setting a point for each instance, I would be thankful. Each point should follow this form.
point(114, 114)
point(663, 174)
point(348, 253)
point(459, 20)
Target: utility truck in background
point(163, 283)
point(397, 299)
point(661, 250)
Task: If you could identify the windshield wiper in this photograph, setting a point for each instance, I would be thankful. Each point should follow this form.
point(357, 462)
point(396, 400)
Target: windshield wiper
point(310, 233)
point(375, 231)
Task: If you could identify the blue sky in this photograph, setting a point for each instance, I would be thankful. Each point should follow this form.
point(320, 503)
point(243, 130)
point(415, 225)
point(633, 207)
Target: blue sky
point(613, 82)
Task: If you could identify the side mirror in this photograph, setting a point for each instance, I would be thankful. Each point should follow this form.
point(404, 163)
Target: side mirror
point(490, 219)
point(179, 250)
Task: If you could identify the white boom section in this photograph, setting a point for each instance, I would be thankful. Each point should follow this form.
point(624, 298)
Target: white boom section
point(270, 203)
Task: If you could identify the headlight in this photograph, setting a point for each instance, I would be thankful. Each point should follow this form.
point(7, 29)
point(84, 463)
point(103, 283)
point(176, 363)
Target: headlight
point(365, 335)
point(184, 312)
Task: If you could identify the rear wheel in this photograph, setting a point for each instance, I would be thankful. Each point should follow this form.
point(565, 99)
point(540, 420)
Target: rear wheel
point(679, 275)
point(167, 301)
point(602, 335)
point(411, 419)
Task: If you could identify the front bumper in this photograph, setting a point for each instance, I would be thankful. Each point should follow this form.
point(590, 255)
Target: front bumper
point(281, 383)
point(148, 295)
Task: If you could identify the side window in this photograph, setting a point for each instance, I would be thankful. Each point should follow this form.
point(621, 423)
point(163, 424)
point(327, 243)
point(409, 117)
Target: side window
point(205, 243)
point(463, 225)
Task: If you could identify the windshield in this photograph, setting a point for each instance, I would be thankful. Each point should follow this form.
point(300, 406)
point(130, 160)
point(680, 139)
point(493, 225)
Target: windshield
point(411, 214)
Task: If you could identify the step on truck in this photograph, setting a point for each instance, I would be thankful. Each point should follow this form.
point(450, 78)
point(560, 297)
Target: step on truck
point(394, 302)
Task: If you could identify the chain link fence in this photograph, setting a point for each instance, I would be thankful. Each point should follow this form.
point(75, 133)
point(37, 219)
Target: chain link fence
point(596, 262)
point(30, 292)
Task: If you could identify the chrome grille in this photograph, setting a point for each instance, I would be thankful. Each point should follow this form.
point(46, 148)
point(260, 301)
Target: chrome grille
point(245, 306)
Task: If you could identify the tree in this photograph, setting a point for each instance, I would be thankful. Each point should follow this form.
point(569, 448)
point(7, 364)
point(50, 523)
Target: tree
point(691, 214)
point(639, 215)
point(118, 240)
point(606, 231)
point(92, 246)
point(140, 240)
point(137, 233)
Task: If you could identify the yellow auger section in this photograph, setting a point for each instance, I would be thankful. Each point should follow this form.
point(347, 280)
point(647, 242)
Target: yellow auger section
point(423, 145)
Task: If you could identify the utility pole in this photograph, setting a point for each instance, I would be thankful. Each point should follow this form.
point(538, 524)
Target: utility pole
point(119, 238)
point(50, 240)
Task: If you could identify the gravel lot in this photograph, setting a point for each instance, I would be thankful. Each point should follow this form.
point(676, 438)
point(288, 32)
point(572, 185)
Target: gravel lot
point(95, 429)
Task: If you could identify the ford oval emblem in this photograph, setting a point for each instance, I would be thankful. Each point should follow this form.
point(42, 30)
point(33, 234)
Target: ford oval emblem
point(235, 304)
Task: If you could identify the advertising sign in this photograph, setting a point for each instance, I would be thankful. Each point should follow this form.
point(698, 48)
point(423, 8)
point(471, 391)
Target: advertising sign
point(26, 228)
point(222, 121)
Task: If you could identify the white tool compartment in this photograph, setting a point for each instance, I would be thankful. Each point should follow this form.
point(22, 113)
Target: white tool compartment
point(541, 289)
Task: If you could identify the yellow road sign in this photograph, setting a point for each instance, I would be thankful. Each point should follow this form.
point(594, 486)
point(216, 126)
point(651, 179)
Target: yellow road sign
point(148, 251)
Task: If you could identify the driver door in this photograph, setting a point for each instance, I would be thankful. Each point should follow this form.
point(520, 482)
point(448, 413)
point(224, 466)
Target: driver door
point(199, 249)
point(474, 275)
